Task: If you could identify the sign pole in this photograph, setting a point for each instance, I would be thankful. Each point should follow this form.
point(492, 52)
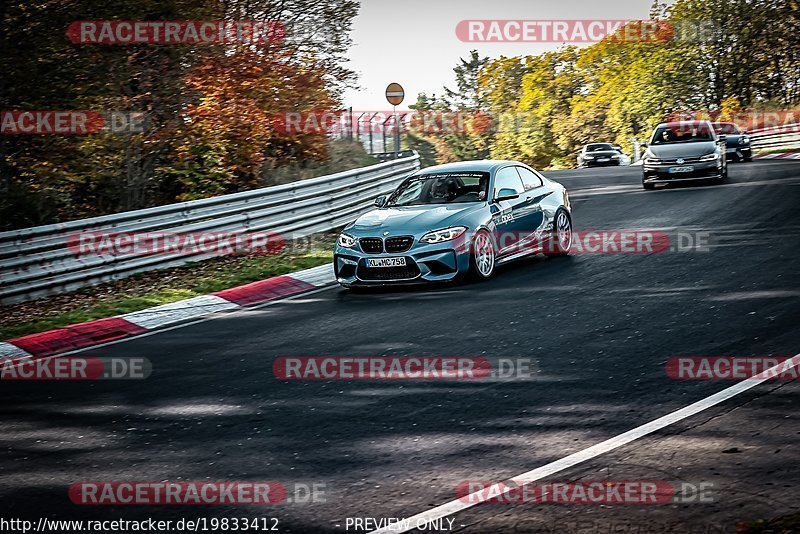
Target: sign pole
point(394, 95)
point(351, 123)
point(396, 133)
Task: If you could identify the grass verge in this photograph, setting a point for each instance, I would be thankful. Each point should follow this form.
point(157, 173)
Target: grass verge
point(159, 287)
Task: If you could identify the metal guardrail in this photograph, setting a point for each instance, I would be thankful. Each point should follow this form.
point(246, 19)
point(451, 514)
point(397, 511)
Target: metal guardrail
point(786, 137)
point(387, 156)
point(37, 262)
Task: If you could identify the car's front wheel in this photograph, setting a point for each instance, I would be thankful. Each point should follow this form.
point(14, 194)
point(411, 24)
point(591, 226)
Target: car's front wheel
point(483, 256)
point(561, 238)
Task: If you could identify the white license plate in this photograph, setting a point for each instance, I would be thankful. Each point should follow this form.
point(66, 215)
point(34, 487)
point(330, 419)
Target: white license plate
point(688, 168)
point(602, 160)
point(386, 262)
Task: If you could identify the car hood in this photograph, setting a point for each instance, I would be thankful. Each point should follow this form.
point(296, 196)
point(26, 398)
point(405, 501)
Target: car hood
point(682, 150)
point(732, 139)
point(411, 219)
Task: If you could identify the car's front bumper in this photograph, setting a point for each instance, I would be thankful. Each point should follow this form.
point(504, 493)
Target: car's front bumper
point(662, 173)
point(609, 163)
point(739, 153)
point(442, 262)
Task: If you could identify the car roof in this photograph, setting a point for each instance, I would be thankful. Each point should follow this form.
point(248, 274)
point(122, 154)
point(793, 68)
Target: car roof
point(683, 123)
point(478, 165)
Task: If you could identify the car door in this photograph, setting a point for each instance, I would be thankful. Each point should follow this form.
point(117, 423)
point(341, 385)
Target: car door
point(507, 214)
point(530, 210)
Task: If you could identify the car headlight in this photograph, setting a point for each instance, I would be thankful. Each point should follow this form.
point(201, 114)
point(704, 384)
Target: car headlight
point(744, 140)
point(614, 157)
point(652, 161)
point(346, 241)
point(710, 157)
point(588, 157)
point(440, 236)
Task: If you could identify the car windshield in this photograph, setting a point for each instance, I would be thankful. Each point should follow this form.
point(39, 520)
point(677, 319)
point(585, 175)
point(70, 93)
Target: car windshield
point(727, 128)
point(441, 188)
point(599, 146)
point(682, 133)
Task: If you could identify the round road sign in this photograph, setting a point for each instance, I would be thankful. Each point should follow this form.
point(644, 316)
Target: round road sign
point(395, 94)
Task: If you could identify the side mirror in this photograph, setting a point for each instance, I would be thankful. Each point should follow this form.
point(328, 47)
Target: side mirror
point(380, 201)
point(506, 194)
point(619, 148)
point(723, 138)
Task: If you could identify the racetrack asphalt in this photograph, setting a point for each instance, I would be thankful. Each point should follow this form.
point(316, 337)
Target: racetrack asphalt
point(600, 328)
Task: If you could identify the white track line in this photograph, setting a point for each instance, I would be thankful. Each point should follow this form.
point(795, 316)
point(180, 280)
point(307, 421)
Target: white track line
point(457, 505)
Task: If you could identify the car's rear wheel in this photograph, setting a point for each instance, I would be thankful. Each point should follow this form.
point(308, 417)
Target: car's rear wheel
point(561, 238)
point(483, 256)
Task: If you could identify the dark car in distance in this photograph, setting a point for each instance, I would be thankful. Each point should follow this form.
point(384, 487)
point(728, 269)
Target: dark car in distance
point(684, 151)
point(737, 142)
point(600, 155)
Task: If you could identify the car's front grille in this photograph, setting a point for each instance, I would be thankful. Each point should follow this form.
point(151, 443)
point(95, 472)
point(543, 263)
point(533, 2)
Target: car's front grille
point(371, 245)
point(674, 161)
point(406, 272)
point(399, 244)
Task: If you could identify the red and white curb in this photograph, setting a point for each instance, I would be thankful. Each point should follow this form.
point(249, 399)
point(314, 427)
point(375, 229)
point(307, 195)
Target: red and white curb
point(78, 336)
point(784, 155)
